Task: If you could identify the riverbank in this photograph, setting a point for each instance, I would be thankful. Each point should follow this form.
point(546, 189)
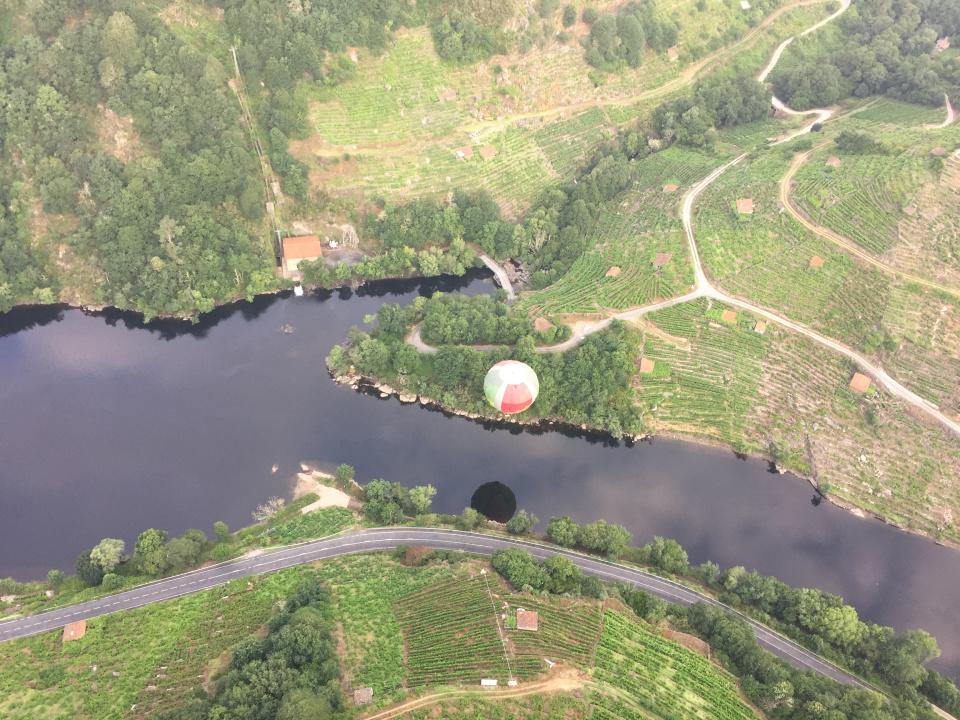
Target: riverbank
point(372, 386)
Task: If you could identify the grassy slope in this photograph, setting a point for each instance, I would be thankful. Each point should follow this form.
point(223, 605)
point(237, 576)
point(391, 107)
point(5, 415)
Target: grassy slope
point(137, 662)
point(729, 384)
point(391, 131)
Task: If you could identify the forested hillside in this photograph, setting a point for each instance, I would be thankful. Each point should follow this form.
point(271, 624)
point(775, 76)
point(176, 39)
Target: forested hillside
point(122, 156)
point(878, 48)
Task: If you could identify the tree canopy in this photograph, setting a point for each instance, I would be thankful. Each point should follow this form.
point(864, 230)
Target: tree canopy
point(879, 48)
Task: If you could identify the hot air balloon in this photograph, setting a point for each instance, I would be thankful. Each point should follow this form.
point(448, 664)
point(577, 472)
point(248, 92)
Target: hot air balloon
point(511, 386)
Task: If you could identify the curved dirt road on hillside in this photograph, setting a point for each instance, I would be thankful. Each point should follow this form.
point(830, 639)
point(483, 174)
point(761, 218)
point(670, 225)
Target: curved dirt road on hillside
point(704, 288)
point(950, 118)
point(786, 186)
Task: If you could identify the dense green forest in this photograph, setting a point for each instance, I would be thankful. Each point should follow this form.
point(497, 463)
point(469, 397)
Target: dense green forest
point(164, 232)
point(620, 39)
point(877, 48)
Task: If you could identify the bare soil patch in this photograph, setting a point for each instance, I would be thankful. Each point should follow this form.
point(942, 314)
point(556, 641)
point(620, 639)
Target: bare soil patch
point(117, 134)
point(327, 496)
point(691, 642)
point(188, 14)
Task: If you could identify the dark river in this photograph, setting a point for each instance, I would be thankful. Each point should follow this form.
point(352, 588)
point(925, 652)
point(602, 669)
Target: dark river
point(108, 427)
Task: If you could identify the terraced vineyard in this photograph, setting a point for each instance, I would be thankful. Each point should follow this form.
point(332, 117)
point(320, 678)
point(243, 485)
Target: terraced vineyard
point(926, 325)
point(900, 207)
point(871, 450)
point(766, 257)
point(515, 176)
point(393, 129)
point(451, 634)
point(629, 234)
point(569, 631)
point(176, 642)
point(567, 144)
point(363, 589)
point(781, 394)
point(651, 677)
point(706, 371)
point(928, 238)
point(864, 198)
point(887, 112)
point(394, 97)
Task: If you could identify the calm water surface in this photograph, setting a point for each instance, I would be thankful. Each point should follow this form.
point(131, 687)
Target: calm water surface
point(107, 427)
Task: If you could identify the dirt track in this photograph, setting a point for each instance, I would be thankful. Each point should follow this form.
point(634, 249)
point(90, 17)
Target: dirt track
point(704, 288)
point(786, 185)
point(561, 680)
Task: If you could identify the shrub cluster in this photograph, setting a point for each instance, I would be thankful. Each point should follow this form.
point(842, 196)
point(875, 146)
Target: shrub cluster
point(556, 574)
point(618, 40)
point(882, 48)
point(292, 673)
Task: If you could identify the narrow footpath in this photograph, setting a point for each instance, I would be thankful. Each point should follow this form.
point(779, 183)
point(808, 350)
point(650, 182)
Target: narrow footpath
point(948, 120)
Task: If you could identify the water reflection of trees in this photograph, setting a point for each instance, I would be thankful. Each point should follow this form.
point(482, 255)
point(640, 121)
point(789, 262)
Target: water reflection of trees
point(24, 318)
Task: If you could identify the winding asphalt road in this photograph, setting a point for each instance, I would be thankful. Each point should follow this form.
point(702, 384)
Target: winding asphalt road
point(380, 539)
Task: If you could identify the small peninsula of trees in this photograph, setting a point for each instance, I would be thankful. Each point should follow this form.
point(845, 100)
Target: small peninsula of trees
point(588, 384)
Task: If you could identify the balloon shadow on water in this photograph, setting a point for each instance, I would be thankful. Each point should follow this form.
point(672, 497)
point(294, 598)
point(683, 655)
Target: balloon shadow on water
point(495, 501)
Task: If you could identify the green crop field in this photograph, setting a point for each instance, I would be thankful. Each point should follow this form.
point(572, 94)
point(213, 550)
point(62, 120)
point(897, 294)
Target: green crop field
point(652, 677)
point(569, 631)
point(150, 657)
point(451, 634)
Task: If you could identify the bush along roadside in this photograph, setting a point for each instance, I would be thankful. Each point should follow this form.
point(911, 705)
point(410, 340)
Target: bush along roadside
point(779, 689)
